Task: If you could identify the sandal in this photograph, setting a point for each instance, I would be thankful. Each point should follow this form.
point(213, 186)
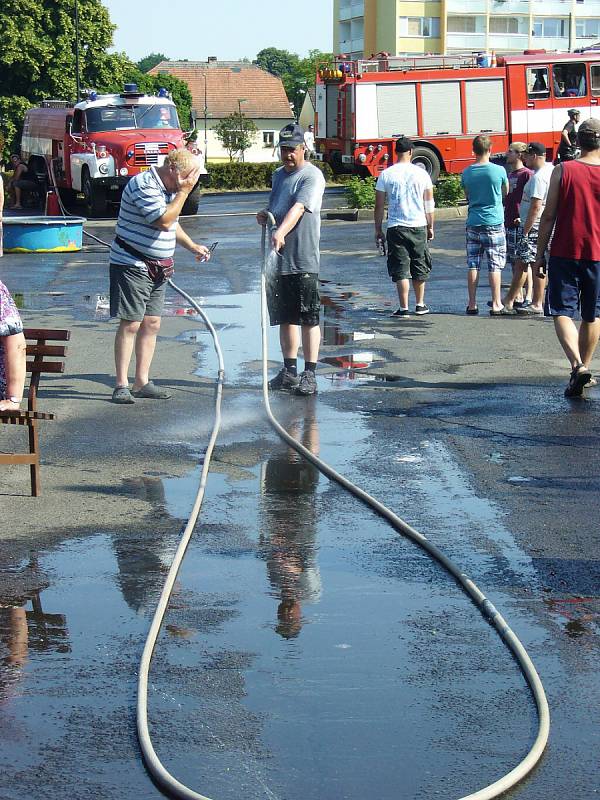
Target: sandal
point(122, 396)
point(580, 376)
point(472, 312)
point(152, 392)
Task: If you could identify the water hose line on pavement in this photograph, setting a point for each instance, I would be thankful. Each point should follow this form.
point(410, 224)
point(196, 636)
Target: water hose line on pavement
point(159, 773)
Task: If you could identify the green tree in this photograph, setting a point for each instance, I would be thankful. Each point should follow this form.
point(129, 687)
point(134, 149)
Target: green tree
point(297, 74)
point(236, 133)
point(151, 60)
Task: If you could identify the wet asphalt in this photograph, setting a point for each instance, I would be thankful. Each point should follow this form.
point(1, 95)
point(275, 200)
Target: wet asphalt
point(309, 651)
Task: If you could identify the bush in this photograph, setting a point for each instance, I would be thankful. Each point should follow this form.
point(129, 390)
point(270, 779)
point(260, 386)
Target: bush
point(238, 175)
point(360, 192)
point(448, 191)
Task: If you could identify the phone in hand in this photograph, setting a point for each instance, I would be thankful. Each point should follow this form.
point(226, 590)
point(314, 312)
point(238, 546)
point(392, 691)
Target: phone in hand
point(211, 250)
point(381, 247)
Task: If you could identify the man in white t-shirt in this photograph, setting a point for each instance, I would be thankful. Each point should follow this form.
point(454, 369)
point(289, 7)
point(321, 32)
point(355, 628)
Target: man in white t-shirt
point(309, 141)
point(409, 192)
point(532, 206)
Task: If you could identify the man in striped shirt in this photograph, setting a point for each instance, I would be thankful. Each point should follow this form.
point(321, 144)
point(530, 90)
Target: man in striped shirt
point(147, 228)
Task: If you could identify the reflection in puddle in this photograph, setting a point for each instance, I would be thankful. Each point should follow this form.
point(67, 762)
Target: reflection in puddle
point(289, 523)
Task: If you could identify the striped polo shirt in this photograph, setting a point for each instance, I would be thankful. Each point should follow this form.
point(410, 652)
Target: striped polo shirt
point(144, 201)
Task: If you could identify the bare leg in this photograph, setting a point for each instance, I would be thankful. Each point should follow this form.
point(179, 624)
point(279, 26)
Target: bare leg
point(311, 339)
point(145, 343)
point(289, 339)
point(539, 286)
point(589, 332)
point(124, 341)
point(419, 289)
point(472, 281)
point(15, 348)
point(18, 196)
point(528, 286)
point(516, 286)
point(568, 336)
point(402, 287)
point(495, 281)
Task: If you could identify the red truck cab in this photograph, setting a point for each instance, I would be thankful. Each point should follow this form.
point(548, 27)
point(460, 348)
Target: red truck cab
point(96, 146)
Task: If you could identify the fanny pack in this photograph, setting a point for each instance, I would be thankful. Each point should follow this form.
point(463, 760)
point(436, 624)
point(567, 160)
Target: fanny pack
point(159, 269)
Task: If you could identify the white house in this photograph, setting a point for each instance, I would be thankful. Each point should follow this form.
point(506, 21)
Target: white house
point(221, 88)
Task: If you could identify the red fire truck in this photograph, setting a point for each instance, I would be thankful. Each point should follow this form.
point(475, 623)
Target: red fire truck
point(442, 102)
point(96, 146)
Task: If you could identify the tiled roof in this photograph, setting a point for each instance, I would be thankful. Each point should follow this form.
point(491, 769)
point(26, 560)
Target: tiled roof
point(226, 83)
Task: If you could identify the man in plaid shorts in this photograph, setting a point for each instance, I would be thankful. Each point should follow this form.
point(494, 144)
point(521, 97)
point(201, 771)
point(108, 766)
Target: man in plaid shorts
point(532, 206)
point(485, 186)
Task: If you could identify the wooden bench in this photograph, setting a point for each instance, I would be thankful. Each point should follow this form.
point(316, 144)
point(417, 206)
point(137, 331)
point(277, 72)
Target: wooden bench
point(45, 358)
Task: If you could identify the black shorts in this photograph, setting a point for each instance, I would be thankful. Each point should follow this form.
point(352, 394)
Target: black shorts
point(573, 286)
point(134, 295)
point(408, 253)
point(294, 299)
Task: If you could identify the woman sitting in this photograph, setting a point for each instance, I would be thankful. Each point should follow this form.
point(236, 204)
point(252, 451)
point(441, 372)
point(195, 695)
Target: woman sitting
point(12, 344)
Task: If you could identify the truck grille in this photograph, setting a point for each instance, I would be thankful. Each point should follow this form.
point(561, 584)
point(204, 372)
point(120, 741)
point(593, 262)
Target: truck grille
point(146, 154)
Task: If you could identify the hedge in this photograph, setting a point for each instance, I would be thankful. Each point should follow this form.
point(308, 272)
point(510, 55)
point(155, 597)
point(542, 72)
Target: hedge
point(238, 175)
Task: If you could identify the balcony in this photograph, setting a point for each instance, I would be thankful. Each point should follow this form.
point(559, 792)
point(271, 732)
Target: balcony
point(550, 42)
point(458, 7)
point(352, 45)
point(464, 42)
point(511, 7)
point(508, 41)
point(351, 10)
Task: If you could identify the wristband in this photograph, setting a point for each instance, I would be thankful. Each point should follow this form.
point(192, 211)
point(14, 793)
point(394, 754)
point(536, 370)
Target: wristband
point(429, 206)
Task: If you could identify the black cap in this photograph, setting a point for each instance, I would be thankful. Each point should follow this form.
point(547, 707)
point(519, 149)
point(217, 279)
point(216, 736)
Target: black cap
point(404, 144)
point(291, 136)
point(536, 149)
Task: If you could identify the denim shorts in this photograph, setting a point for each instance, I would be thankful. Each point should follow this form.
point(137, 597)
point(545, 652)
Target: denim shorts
point(573, 286)
point(487, 240)
point(294, 299)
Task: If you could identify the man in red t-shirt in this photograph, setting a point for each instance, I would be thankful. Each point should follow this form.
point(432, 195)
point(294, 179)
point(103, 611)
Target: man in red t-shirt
point(573, 210)
point(518, 175)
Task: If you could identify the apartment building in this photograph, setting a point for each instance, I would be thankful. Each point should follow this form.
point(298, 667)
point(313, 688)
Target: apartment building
point(363, 27)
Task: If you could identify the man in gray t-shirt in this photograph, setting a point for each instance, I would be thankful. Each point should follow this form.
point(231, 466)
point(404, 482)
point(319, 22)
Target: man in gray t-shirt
point(293, 291)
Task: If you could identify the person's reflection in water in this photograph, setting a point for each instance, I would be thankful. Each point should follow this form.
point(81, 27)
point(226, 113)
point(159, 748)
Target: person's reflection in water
point(289, 517)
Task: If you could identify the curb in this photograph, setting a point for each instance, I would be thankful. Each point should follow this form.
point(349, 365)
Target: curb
point(366, 214)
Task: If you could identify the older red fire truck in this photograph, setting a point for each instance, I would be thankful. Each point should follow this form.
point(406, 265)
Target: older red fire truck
point(442, 102)
point(96, 146)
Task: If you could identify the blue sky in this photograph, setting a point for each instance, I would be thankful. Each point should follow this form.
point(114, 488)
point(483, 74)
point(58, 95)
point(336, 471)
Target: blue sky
point(240, 28)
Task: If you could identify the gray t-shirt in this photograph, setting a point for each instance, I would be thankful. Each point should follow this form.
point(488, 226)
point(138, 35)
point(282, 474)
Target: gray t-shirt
point(305, 185)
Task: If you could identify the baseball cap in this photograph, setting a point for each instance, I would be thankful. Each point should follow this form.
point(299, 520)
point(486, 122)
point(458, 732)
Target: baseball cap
point(404, 144)
point(536, 149)
point(291, 136)
point(590, 126)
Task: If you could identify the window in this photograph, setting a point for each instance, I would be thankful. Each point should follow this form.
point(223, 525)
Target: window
point(537, 83)
point(422, 26)
point(568, 80)
point(588, 29)
point(504, 25)
point(552, 27)
point(268, 138)
point(471, 24)
point(595, 71)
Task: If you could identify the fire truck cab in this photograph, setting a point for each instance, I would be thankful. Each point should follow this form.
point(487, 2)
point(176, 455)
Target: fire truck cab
point(96, 146)
point(442, 102)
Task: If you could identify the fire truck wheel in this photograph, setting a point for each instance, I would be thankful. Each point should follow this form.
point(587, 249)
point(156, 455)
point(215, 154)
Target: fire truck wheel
point(429, 160)
point(95, 198)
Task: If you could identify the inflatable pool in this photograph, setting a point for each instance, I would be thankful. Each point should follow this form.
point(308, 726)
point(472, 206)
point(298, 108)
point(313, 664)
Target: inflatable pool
point(42, 234)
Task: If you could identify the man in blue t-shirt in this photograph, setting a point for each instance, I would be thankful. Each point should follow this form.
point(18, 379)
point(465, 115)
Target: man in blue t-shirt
point(485, 186)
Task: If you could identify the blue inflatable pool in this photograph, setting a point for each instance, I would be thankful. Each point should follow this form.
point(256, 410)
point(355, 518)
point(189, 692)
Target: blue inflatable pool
point(42, 234)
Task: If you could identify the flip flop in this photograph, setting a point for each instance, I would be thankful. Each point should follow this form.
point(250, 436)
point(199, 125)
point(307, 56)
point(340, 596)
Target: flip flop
point(472, 312)
point(122, 396)
point(152, 392)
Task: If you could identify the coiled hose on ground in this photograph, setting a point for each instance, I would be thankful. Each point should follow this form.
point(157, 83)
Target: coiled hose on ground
point(159, 773)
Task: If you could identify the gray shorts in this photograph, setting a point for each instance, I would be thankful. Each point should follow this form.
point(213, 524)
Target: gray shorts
point(133, 295)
